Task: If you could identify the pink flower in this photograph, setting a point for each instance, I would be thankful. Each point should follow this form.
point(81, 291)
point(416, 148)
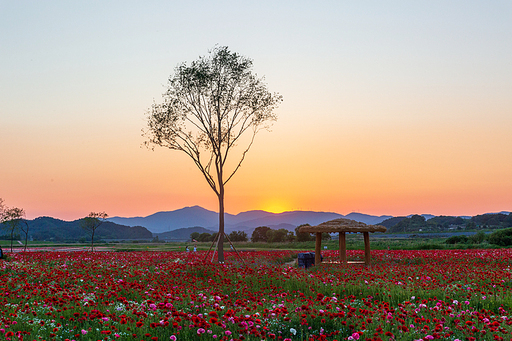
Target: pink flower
point(173, 338)
point(84, 331)
point(227, 332)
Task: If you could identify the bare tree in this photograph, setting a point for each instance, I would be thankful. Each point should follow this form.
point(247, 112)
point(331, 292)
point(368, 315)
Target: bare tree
point(208, 106)
point(91, 224)
point(12, 219)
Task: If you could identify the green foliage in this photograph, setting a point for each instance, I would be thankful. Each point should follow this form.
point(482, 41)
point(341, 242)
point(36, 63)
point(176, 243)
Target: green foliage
point(390, 222)
point(473, 239)
point(194, 235)
point(279, 236)
point(303, 236)
point(498, 220)
point(260, 234)
point(470, 225)
point(501, 237)
point(414, 223)
point(238, 236)
point(204, 237)
point(201, 237)
point(478, 238)
point(16, 236)
point(457, 240)
point(445, 222)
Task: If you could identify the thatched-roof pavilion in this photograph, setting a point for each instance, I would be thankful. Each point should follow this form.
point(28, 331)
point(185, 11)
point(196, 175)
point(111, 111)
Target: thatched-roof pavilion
point(342, 226)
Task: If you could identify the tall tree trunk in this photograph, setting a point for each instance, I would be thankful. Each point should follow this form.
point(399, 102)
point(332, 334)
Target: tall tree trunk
point(26, 236)
point(221, 224)
point(92, 241)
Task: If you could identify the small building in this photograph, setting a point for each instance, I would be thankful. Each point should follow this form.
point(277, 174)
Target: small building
point(342, 226)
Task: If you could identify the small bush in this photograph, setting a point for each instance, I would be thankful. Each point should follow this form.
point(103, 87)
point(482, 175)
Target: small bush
point(457, 240)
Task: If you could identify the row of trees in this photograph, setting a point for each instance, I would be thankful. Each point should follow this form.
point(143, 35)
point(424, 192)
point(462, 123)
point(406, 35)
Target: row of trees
point(416, 223)
point(261, 234)
point(268, 235)
point(501, 237)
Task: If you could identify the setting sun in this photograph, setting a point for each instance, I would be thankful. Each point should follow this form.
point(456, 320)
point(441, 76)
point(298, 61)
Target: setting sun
point(276, 206)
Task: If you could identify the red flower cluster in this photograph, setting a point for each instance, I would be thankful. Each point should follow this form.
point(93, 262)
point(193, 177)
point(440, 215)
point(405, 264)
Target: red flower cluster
point(177, 295)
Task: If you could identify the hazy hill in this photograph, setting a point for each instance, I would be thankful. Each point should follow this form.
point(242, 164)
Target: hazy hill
point(171, 220)
point(366, 218)
point(294, 218)
point(390, 222)
point(426, 216)
point(47, 228)
point(197, 216)
point(179, 224)
point(246, 216)
point(247, 221)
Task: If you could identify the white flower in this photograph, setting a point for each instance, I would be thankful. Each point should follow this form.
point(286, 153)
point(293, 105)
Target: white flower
point(293, 331)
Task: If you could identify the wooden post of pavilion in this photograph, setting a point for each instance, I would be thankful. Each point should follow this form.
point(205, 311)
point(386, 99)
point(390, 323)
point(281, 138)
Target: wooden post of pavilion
point(366, 237)
point(343, 248)
point(318, 248)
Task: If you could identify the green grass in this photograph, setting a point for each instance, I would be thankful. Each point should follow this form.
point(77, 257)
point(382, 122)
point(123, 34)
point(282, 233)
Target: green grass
point(354, 242)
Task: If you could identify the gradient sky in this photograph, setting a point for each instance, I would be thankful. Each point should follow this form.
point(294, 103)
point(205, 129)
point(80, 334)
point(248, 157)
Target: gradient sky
point(393, 107)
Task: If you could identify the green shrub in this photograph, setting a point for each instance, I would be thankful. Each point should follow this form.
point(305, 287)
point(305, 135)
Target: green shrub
point(477, 238)
point(457, 240)
point(501, 237)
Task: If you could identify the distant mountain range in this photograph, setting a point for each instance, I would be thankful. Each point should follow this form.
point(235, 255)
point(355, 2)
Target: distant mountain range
point(161, 222)
point(179, 224)
point(51, 229)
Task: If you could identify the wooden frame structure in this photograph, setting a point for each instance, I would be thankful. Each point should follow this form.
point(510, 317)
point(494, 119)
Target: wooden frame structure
point(342, 226)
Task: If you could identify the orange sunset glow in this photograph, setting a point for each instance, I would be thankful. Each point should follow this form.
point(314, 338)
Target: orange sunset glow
point(387, 109)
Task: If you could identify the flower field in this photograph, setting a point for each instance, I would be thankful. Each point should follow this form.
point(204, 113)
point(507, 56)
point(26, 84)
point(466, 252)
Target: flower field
point(404, 295)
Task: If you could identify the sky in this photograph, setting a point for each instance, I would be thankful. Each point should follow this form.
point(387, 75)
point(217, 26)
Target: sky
point(389, 107)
